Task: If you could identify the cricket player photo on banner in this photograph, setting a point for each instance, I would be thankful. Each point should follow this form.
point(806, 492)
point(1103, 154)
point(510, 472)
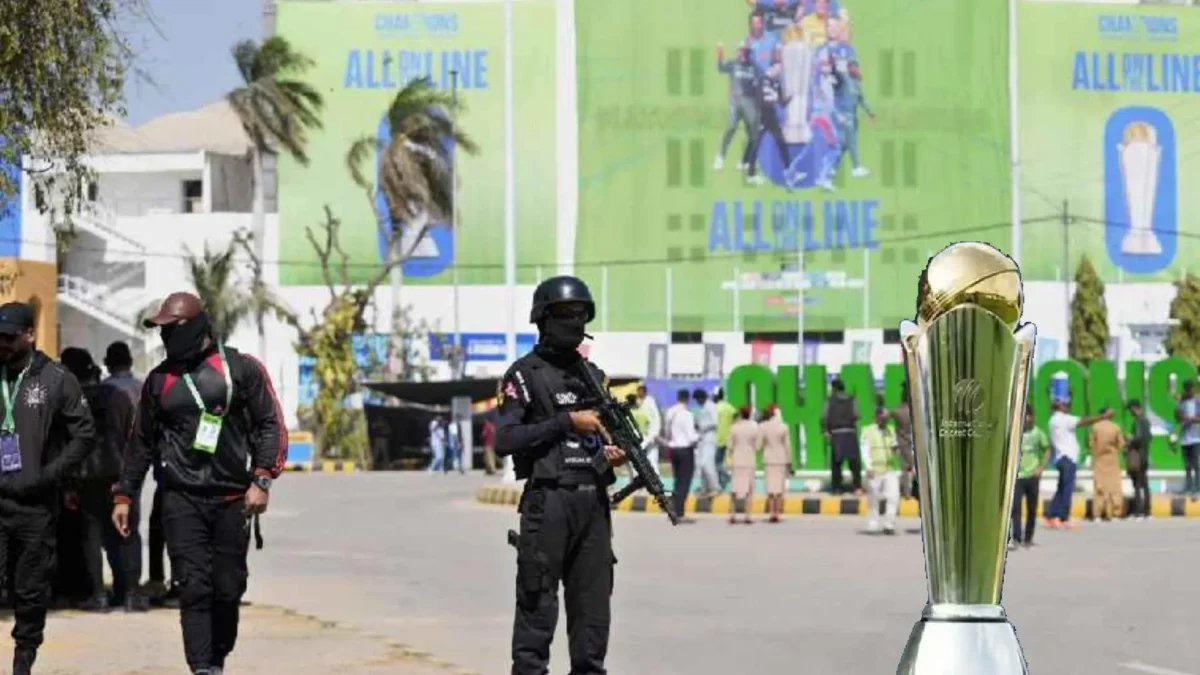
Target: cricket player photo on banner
point(773, 155)
point(1106, 97)
point(363, 54)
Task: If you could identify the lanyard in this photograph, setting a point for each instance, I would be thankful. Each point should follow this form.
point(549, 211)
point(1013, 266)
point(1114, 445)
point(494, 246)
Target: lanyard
point(9, 424)
point(187, 378)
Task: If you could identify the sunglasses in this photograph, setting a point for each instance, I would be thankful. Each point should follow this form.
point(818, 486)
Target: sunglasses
point(571, 311)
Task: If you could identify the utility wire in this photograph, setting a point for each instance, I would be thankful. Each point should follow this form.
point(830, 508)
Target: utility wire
point(947, 235)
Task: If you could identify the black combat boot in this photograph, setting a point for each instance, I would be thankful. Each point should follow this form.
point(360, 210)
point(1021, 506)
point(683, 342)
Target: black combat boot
point(135, 601)
point(23, 659)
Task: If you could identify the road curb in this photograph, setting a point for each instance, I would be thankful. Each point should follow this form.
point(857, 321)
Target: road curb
point(826, 505)
point(328, 466)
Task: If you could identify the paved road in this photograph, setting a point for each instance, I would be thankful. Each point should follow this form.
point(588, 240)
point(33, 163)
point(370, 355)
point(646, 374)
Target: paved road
point(272, 641)
point(412, 558)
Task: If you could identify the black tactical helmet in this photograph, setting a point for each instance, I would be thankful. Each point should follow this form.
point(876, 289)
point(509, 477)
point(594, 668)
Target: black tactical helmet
point(560, 289)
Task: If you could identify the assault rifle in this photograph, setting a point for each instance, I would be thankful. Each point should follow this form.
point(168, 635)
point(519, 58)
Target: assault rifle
point(617, 419)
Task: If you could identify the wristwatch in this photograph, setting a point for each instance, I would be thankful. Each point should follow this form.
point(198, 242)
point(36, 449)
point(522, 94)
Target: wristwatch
point(263, 482)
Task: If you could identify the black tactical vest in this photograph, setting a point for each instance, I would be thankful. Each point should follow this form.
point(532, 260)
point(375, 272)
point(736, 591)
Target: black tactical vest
point(841, 412)
point(555, 390)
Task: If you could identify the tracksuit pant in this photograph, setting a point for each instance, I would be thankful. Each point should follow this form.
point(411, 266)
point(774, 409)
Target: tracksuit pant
point(208, 538)
point(157, 541)
point(27, 553)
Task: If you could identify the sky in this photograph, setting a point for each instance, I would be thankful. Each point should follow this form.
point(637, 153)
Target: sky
point(186, 53)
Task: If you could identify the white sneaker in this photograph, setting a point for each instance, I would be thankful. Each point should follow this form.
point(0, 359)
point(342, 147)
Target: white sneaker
point(860, 172)
point(742, 166)
point(826, 185)
point(756, 179)
point(718, 163)
point(873, 526)
point(793, 178)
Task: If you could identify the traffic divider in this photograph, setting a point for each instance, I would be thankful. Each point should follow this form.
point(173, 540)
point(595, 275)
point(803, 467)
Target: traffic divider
point(828, 505)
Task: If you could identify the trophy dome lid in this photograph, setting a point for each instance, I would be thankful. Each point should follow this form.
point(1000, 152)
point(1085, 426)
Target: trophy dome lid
point(970, 273)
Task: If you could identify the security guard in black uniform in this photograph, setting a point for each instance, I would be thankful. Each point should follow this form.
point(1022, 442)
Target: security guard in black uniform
point(566, 532)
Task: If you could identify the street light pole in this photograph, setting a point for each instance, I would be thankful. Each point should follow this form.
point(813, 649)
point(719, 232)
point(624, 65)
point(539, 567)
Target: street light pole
point(454, 223)
point(800, 302)
point(510, 199)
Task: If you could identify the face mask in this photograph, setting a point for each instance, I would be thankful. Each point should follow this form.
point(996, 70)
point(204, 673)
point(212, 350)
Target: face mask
point(185, 341)
point(565, 334)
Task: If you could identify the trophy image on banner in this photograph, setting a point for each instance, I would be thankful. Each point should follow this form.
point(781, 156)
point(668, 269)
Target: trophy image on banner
point(410, 244)
point(797, 73)
point(968, 367)
point(1139, 153)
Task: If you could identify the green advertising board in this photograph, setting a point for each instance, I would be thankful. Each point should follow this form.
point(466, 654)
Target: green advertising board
point(1107, 93)
point(801, 396)
point(364, 52)
point(658, 95)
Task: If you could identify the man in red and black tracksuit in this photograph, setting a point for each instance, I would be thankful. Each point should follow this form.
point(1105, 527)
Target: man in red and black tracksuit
point(209, 415)
point(45, 432)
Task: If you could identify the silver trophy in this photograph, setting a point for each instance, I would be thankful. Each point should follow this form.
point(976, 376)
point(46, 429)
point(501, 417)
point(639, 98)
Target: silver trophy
point(1140, 154)
point(797, 59)
point(968, 367)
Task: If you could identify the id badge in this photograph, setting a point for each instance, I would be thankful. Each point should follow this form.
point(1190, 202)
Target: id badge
point(208, 433)
point(10, 453)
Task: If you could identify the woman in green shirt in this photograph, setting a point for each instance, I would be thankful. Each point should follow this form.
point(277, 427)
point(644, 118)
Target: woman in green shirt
point(1035, 446)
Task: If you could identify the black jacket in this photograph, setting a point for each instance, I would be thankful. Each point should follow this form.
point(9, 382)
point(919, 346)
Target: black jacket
point(253, 438)
point(113, 414)
point(55, 428)
point(841, 413)
point(537, 396)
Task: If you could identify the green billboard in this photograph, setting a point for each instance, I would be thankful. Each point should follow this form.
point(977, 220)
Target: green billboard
point(717, 141)
point(1106, 105)
point(364, 52)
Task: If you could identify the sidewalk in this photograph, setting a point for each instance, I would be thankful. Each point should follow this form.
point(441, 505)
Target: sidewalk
point(816, 504)
point(271, 641)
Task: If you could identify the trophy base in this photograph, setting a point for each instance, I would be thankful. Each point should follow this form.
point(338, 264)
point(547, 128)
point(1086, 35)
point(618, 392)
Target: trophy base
point(961, 647)
point(1140, 242)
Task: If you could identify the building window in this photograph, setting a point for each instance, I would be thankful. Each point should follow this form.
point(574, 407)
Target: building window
point(193, 196)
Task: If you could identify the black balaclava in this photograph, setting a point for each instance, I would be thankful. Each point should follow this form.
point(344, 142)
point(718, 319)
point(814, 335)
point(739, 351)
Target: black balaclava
point(185, 341)
point(563, 334)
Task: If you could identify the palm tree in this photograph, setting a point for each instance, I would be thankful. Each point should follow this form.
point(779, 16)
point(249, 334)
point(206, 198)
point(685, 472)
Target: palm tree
point(416, 170)
point(277, 110)
point(227, 299)
point(214, 276)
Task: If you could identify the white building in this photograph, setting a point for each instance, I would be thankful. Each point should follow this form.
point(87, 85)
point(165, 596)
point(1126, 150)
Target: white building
point(169, 187)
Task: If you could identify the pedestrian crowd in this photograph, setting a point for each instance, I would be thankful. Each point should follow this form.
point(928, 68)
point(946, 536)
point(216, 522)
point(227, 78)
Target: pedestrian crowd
point(75, 448)
point(85, 536)
point(726, 446)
